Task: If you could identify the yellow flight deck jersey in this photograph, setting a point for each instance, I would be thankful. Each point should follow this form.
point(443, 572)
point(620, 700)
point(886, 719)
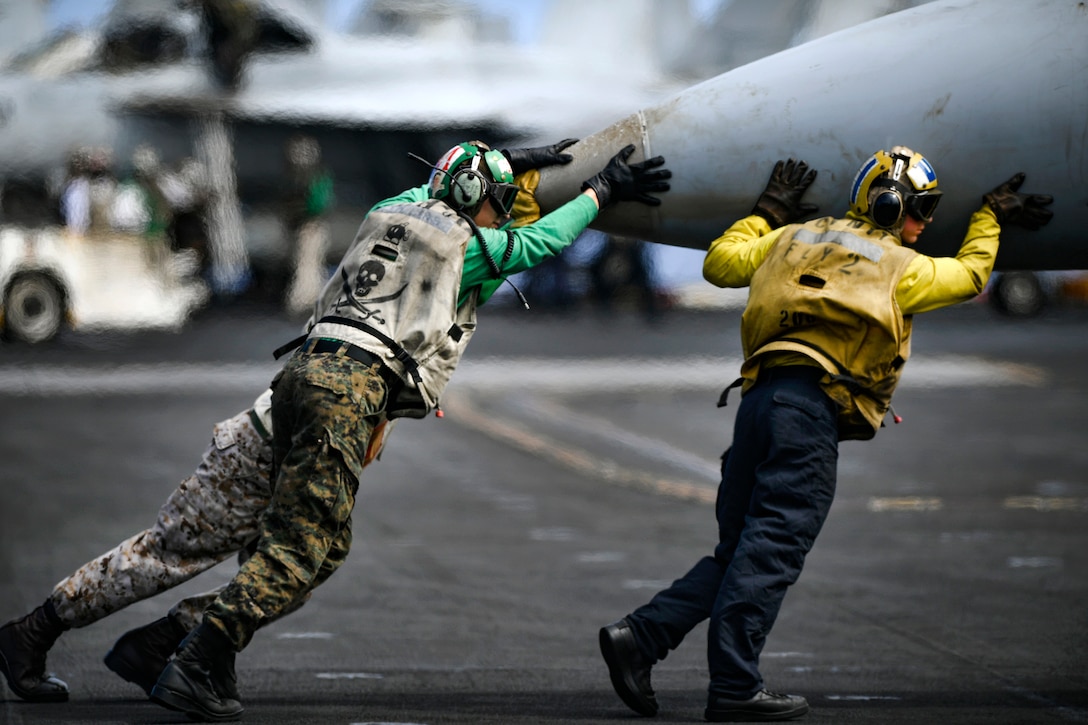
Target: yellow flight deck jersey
point(839, 294)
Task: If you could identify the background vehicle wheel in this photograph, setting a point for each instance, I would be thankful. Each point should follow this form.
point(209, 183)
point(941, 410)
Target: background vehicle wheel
point(1018, 294)
point(34, 308)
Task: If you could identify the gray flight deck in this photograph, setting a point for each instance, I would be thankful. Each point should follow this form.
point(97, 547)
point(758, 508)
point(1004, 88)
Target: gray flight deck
point(573, 476)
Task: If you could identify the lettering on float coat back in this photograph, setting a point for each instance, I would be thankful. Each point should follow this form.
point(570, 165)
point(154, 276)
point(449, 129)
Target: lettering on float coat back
point(402, 276)
point(827, 290)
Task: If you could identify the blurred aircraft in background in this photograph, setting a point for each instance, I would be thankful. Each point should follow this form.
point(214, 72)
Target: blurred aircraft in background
point(415, 77)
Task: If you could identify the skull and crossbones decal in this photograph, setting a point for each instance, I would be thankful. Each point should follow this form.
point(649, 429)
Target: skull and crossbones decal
point(367, 278)
point(369, 275)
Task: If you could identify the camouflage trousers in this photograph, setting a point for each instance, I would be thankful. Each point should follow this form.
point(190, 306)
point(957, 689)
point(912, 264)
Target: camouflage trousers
point(211, 515)
point(325, 409)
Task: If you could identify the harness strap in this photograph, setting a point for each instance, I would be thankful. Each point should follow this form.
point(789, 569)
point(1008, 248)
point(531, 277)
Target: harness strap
point(838, 365)
point(849, 381)
point(410, 365)
point(844, 376)
point(723, 399)
point(288, 347)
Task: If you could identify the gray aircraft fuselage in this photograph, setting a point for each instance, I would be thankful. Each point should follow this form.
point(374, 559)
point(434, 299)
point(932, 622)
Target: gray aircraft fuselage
point(982, 88)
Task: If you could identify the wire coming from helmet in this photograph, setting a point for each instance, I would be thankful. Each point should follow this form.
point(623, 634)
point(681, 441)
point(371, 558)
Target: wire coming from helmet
point(890, 186)
point(459, 179)
point(471, 174)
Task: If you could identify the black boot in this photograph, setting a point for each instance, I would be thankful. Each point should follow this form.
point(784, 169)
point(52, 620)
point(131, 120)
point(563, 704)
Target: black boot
point(628, 667)
point(200, 681)
point(23, 646)
point(140, 655)
point(764, 706)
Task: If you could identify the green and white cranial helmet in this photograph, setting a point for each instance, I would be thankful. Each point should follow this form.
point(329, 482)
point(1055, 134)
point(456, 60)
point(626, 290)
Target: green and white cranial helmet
point(471, 173)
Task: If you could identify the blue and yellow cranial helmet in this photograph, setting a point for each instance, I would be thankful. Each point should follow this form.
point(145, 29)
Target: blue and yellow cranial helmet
point(891, 185)
point(471, 173)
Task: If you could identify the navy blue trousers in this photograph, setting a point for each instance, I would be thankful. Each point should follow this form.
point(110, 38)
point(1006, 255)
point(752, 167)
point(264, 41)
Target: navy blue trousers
point(778, 481)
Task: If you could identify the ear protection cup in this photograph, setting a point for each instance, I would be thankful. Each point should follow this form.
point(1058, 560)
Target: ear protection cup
point(467, 188)
point(886, 209)
point(458, 178)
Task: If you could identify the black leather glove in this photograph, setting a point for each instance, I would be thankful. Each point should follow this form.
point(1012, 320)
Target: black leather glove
point(620, 181)
point(1011, 207)
point(780, 203)
point(522, 160)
